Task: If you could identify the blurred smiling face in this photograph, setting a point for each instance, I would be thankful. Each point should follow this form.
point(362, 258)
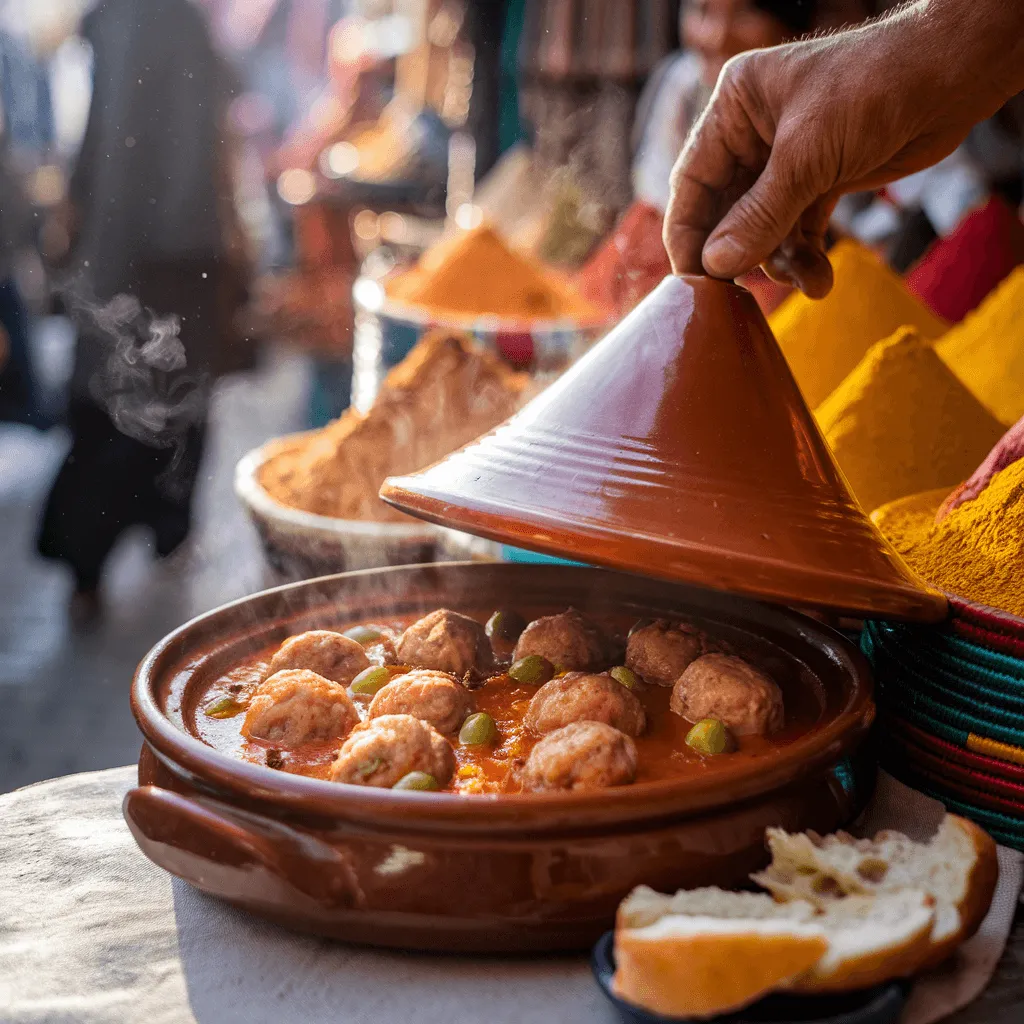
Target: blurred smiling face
point(719, 29)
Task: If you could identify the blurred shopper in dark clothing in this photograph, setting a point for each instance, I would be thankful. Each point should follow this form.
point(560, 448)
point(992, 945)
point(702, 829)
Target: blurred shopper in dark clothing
point(18, 399)
point(152, 284)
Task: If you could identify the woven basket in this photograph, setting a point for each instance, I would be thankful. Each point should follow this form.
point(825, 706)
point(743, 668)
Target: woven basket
point(951, 711)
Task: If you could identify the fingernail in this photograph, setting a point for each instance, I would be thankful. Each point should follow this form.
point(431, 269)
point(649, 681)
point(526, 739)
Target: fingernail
point(723, 257)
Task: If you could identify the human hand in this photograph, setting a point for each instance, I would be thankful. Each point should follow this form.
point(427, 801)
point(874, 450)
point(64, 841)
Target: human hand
point(1007, 451)
point(791, 128)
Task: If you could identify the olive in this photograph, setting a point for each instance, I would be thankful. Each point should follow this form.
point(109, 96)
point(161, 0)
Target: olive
point(626, 676)
point(532, 669)
point(710, 736)
point(477, 729)
point(417, 780)
point(369, 681)
point(224, 707)
point(505, 625)
point(365, 635)
point(367, 768)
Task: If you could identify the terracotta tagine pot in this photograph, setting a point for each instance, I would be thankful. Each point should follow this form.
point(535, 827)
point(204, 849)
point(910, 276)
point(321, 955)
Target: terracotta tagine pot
point(679, 447)
point(474, 873)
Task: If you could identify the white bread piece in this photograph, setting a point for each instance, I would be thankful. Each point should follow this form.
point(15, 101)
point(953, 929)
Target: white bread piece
point(871, 939)
point(707, 952)
point(643, 906)
point(958, 867)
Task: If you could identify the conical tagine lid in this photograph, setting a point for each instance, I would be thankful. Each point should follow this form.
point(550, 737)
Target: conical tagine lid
point(678, 447)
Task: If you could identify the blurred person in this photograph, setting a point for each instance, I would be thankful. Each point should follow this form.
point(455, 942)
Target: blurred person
point(26, 135)
point(152, 280)
point(633, 260)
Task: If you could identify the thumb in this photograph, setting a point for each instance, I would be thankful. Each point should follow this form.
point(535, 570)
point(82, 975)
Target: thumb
point(761, 219)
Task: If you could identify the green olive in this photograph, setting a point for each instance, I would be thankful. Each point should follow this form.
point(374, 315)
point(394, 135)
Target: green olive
point(223, 707)
point(533, 669)
point(369, 681)
point(477, 729)
point(417, 780)
point(365, 635)
point(626, 676)
point(505, 625)
point(710, 736)
point(367, 768)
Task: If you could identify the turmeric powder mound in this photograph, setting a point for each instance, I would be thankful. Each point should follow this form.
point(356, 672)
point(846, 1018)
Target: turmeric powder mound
point(986, 350)
point(824, 339)
point(977, 551)
point(475, 273)
point(902, 423)
point(445, 393)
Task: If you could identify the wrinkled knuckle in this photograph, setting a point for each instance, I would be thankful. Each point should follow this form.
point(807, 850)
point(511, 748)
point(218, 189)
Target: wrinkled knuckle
point(738, 75)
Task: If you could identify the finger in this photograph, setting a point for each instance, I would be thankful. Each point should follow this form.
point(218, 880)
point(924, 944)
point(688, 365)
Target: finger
point(802, 265)
point(761, 219)
point(722, 155)
point(703, 169)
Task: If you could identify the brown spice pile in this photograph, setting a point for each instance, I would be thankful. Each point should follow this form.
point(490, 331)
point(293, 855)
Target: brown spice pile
point(445, 393)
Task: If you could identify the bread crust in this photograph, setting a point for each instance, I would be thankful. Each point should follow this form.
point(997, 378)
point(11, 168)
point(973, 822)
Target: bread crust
point(978, 893)
point(703, 975)
point(875, 968)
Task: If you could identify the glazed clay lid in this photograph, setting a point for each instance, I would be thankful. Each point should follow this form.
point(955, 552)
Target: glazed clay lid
point(678, 447)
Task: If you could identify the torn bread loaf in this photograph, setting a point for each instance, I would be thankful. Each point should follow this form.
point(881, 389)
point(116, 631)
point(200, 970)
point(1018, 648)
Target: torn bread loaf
point(708, 952)
point(957, 867)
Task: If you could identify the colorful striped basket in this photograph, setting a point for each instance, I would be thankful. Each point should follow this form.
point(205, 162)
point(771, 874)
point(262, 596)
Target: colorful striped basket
point(951, 712)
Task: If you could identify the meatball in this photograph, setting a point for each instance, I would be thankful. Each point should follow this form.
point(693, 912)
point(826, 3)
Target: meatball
point(661, 652)
point(728, 688)
point(298, 706)
point(328, 654)
point(448, 642)
point(433, 697)
point(584, 755)
point(582, 697)
point(383, 750)
point(569, 640)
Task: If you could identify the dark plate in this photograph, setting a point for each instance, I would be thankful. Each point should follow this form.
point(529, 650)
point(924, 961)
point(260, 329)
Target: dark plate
point(880, 1005)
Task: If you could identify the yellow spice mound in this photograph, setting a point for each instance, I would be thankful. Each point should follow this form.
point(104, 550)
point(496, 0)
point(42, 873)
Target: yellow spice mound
point(445, 393)
point(977, 551)
point(475, 273)
point(903, 423)
point(823, 340)
point(986, 350)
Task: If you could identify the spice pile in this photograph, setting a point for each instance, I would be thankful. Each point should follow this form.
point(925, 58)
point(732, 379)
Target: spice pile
point(824, 339)
point(475, 273)
point(976, 551)
point(902, 422)
point(986, 350)
point(446, 392)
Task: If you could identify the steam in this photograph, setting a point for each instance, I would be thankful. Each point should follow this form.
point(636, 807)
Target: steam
point(140, 378)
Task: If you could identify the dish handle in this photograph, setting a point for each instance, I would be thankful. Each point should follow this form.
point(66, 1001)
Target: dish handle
point(235, 854)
